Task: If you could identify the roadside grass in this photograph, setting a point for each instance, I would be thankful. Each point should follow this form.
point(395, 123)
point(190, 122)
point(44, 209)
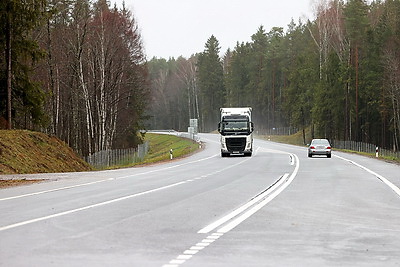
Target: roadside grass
point(161, 144)
point(371, 155)
point(23, 152)
point(297, 139)
point(294, 139)
point(159, 151)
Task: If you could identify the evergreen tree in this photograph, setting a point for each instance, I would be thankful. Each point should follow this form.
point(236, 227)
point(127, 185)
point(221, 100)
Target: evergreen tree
point(24, 97)
point(211, 84)
point(237, 77)
point(356, 23)
point(257, 90)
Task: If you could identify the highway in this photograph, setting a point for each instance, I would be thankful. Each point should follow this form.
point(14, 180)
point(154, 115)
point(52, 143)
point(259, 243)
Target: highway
point(276, 208)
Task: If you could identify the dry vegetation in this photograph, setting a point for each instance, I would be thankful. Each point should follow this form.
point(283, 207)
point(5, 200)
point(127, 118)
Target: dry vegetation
point(24, 152)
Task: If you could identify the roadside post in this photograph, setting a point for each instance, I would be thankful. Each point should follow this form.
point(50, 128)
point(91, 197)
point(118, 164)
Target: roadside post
point(377, 152)
point(170, 153)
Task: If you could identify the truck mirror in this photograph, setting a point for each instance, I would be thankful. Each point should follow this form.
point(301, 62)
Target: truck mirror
point(251, 127)
point(219, 127)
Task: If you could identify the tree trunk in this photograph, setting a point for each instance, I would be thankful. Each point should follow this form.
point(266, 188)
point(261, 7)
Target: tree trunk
point(356, 66)
point(9, 71)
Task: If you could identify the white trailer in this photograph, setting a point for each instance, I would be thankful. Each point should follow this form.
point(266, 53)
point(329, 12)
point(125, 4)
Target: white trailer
point(236, 129)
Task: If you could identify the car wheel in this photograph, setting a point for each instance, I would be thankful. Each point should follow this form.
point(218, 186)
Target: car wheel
point(309, 155)
point(329, 155)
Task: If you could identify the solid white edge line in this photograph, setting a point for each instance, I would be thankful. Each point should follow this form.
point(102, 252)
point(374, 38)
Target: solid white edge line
point(55, 190)
point(110, 201)
point(87, 207)
point(257, 207)
point(101, 181)
point(380, 177)
point(239, 210)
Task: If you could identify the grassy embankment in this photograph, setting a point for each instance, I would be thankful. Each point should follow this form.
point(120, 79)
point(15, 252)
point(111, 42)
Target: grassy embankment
point(24, 152)
point(160, 145)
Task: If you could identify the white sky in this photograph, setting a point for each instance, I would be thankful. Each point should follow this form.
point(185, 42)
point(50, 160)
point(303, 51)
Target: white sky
point(173, 28)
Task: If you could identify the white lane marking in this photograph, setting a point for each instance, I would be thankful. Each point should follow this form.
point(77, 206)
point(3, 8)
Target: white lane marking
point(196, 248)
point(380, 177)
point(190, 252)
point(257, 207)
point(105, 180)
point(215, 236)
point(202, 244)
point(56, 189)
point(168, 168)
point(184, 257)
point(241, 209)
point(115, 200)
point(180, 259)
point(87, 207)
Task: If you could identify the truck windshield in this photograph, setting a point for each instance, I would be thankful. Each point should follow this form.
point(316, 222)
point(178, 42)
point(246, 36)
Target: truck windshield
point(235, 126)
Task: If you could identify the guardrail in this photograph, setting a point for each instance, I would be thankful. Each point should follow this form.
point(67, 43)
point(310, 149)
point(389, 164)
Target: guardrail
point(116, 157)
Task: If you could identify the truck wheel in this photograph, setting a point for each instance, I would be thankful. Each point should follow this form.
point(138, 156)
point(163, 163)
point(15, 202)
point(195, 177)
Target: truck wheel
point(248, 154)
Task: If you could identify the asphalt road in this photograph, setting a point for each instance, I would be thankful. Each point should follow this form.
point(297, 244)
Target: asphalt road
point(276, 208)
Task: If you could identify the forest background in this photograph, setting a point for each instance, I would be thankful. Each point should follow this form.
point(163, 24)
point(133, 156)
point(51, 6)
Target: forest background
point(77, 70)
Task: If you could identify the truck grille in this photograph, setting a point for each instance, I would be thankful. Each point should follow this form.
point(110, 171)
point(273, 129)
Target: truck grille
point(236, 144)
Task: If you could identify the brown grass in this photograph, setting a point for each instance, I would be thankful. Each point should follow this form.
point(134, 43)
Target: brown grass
point(24, 152)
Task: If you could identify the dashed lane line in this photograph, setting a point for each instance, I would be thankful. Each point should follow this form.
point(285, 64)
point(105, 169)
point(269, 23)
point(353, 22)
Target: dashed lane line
point(241, 209)
point(257, 203)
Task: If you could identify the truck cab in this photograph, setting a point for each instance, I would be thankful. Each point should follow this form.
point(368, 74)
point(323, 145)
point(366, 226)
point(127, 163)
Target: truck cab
point(236, 130)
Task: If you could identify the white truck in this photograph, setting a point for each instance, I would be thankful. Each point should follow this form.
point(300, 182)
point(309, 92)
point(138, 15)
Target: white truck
point(236, 129)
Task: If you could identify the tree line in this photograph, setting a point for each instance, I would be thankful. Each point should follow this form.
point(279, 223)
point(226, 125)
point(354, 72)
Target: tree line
point(73, 69)
point(337, 75)
point(77, 70)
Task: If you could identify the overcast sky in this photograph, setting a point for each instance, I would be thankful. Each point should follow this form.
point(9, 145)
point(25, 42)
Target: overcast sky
point(173, 28)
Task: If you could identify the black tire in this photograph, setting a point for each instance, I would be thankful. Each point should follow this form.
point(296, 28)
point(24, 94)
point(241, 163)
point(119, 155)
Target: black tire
point(329, 156)
point(309, 155)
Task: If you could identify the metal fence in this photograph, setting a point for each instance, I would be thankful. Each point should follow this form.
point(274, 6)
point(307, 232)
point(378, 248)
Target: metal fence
point(115, 157)
point(365, 147)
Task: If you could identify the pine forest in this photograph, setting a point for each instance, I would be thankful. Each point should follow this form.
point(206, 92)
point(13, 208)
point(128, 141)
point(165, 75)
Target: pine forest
point(78, 70)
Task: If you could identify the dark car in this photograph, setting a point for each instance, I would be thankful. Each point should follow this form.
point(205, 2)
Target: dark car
point(320, 147)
